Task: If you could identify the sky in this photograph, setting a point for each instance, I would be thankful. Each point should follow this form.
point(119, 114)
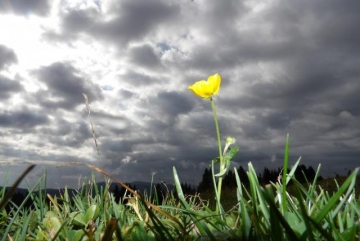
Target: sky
point(287, 67)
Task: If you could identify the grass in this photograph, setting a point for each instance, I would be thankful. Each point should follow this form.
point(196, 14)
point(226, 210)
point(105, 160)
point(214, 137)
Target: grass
point(257, 213)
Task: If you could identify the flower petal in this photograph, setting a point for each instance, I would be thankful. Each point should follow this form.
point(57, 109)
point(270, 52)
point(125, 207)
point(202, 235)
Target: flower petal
point(206, 89)
point(215, 81)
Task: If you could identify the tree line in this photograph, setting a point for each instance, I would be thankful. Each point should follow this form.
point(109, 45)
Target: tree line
point(302, 174)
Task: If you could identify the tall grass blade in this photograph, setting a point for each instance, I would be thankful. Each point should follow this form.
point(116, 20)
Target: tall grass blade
point(12, 190)
point(284, 176)
point(245, 224)
point(349, 183)
point(18, 210)
point(280, 218)
point(219, 208)
point(204, 230)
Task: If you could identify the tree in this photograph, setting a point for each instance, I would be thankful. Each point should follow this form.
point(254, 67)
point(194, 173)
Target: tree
point(187, 189)
point(266, 176)
point(206, 182)
point(229, 180)
point(244, 179)
point(117, 193)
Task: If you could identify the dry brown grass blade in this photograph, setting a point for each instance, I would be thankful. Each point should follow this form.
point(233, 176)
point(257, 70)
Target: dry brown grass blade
point(156, 208)
point(92, 125)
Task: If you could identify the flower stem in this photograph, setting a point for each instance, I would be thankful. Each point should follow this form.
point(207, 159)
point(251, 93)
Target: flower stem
point(220, 154)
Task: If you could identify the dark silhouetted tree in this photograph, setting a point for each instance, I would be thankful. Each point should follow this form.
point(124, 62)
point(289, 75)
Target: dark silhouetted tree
point(229, 180)
point(244, 179)
point(187, 189)
point(206, 182)
point(117, 193)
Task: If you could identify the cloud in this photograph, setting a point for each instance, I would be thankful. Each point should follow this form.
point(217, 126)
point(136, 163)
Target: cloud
point(287, 67)
point(137, 79)
point(23, 119)
point(7, 57)
point(24, 7)
point(144, 56)
point(117, 23)
point(171, 103)
point(64, 86)
point(8, 87)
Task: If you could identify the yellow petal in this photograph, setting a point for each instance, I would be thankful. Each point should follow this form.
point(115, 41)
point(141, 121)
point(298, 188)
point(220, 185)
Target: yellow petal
point(200, 89)
point(215, 82)
point(206, 89)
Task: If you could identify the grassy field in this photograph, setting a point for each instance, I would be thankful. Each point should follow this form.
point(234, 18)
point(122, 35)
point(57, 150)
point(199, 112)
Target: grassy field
point(312, 211)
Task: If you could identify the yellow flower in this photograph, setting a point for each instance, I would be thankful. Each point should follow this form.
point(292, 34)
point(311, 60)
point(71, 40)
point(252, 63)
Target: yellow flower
point(206, 89)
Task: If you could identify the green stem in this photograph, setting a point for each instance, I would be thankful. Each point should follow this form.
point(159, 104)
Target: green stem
point(220, 153)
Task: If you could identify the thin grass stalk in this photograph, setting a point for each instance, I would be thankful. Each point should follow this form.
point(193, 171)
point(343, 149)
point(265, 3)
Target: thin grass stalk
point(159, 227)
point(280, 218)
point(284, 177)
point(24, 228)
point(219, 209)
point(245, 224)
point(12, 190)
point(6, 180)
point(349, 183)
point(220, 179)
point(204, 230)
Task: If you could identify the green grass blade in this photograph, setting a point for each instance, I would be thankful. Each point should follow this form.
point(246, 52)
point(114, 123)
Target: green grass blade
point(284, 176)
point(217, 196)
point(292, 171)
point(15, 215)
point(6, 179)
point(245, 224)
point(24, 227)
point(12, 190)
point(280, 218)
point(204, 230)
point(159, 227)
point(277, 232)
point(313, 186)
point(349, 183)
point(254, 182)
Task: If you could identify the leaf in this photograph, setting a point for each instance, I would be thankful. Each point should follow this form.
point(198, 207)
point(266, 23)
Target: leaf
point(52, 223)
point(77, 235)
point(227, 159)
point(78, 219)
point(92, 213)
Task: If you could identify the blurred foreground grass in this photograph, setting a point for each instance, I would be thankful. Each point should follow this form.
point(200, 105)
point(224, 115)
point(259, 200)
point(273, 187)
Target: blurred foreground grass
point(313, 211)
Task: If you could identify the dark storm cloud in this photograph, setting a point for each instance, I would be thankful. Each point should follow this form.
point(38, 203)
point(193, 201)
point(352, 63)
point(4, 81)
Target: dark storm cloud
point(25, 7)
point(144, 56)
point(65, 87)
point(7, 57)
point(172, 103)
point(287, 67)
point(301, 62)
point(22, 119)
point(139, 79)
point(65, 133)
point(131, 20)
point(110, 124)
point(135, 19)
point(8, 87)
